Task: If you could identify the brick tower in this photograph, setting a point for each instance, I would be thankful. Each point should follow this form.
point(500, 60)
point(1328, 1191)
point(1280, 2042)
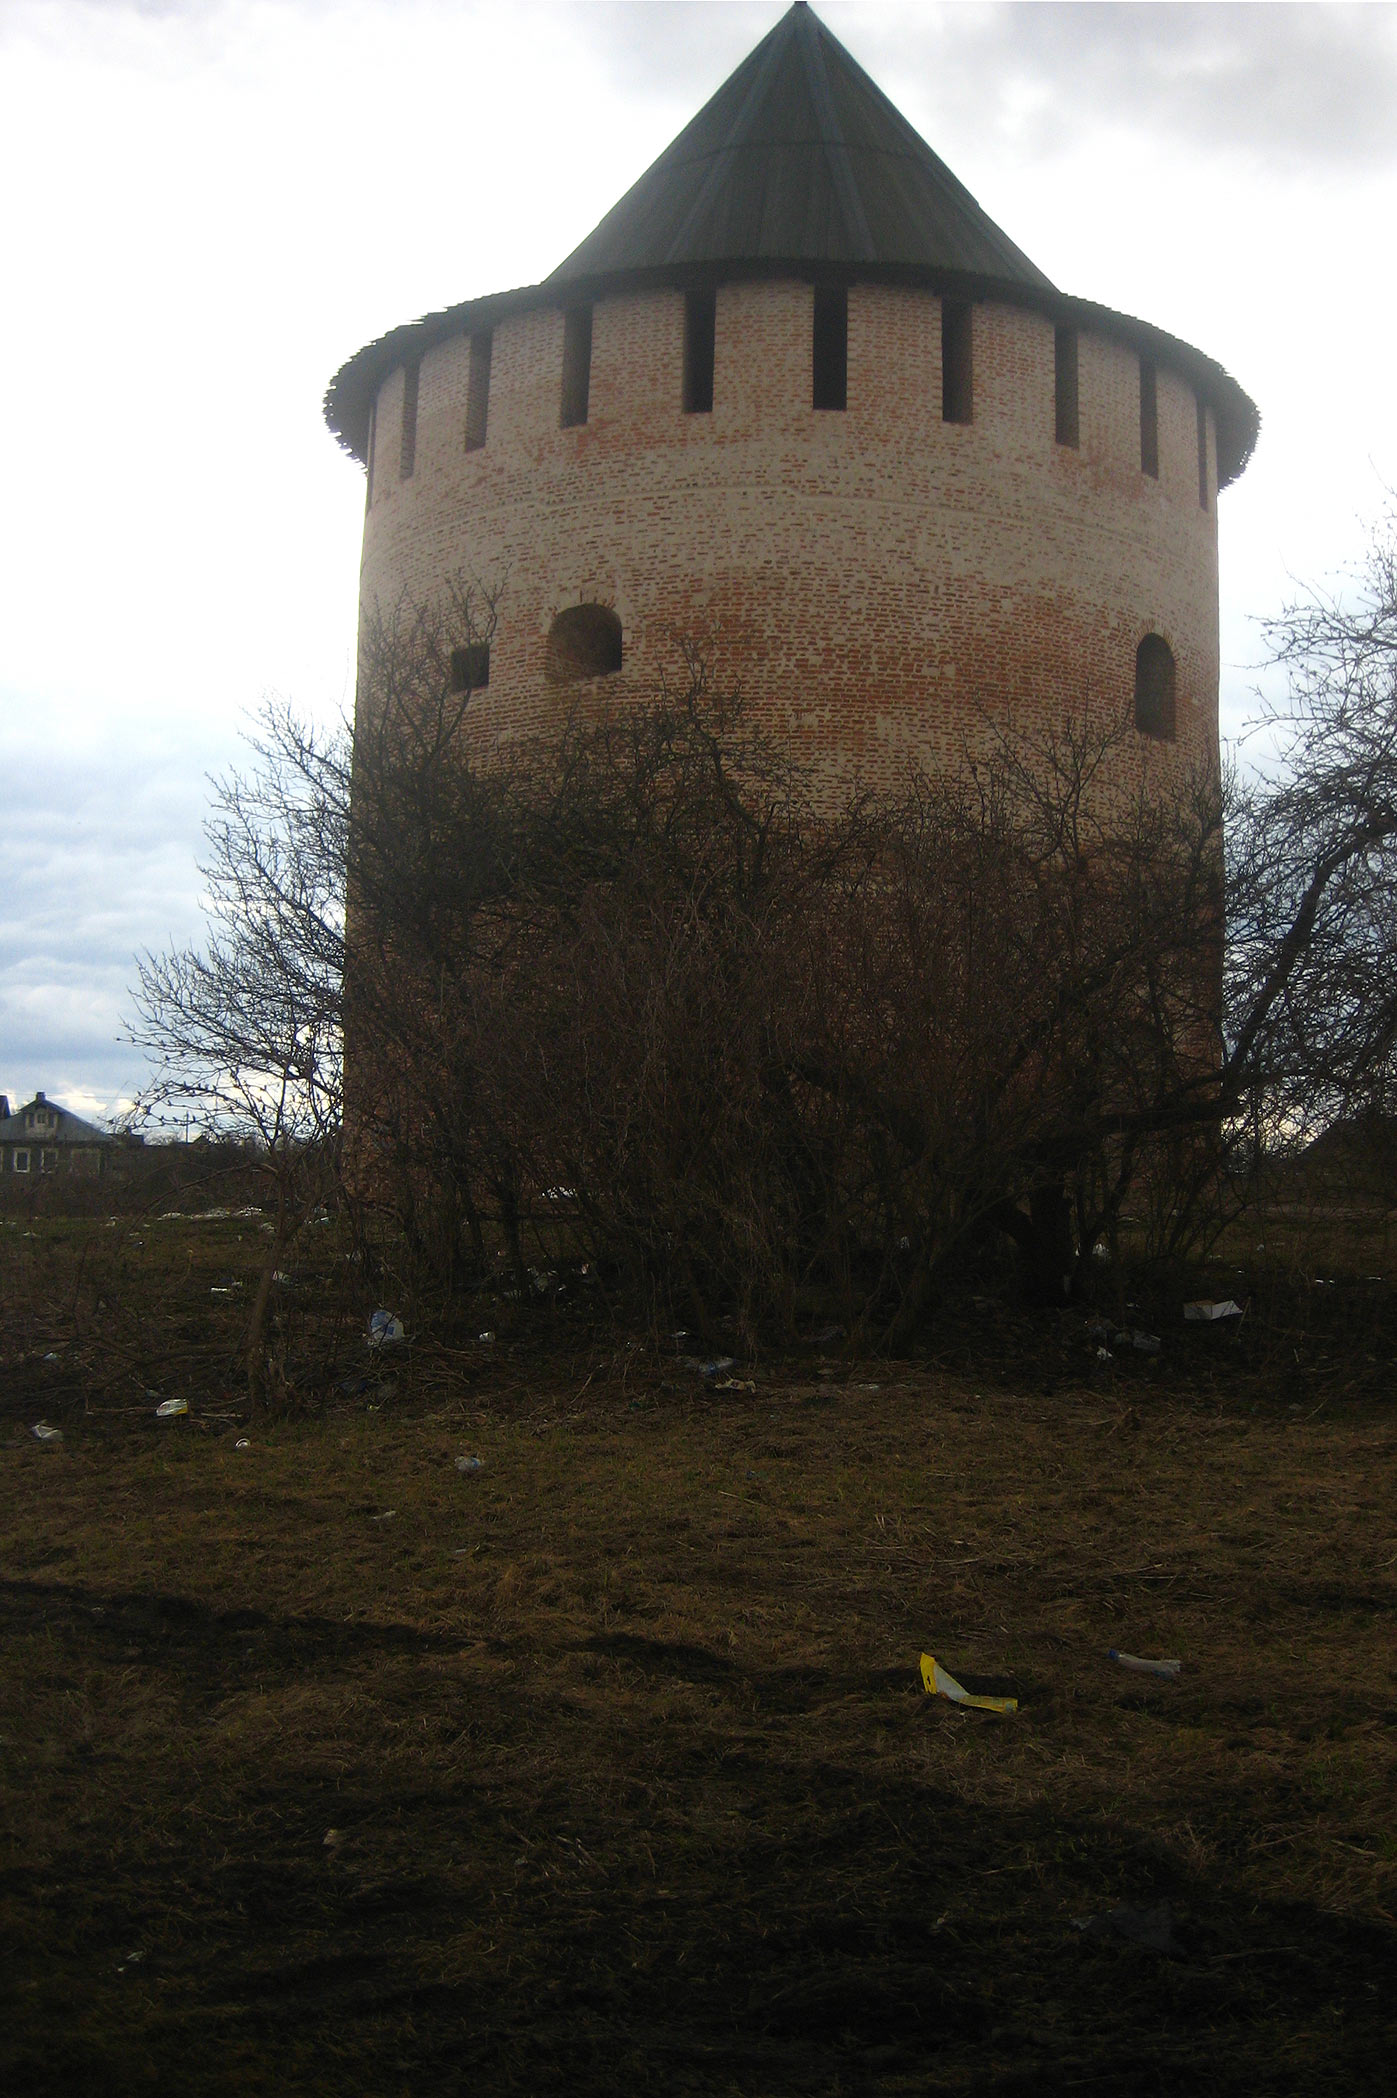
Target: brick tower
point(798, 399)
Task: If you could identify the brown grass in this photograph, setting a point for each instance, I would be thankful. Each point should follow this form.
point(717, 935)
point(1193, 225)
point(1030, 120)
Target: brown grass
point(633, 1782)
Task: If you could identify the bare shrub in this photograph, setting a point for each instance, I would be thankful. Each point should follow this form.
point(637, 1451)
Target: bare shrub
point(634, 995)
point(246, 1033)
point(642, 999)
point(1312, 920)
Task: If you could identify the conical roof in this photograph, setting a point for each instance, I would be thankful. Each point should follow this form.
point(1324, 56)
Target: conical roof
point(800, 158)
point(799, 164)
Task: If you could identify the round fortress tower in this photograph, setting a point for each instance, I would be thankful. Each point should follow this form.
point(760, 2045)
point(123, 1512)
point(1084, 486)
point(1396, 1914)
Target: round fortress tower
point(798, 401)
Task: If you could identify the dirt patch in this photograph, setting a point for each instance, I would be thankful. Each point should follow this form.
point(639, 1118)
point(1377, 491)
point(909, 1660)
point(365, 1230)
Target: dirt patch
point(605, 1767)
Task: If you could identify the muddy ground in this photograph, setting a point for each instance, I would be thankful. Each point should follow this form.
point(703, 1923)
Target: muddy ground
point(605, 1767)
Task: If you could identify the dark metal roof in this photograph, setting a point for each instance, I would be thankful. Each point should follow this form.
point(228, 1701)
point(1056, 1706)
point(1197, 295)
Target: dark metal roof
point(798, 167)
point(799, 156)
point(68, 1128)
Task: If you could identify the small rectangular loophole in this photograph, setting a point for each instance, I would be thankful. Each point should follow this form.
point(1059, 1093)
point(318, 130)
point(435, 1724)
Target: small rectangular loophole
point(1065, 385)
point(577, 365)
point(470, 667)
point(478, 390)
point(700, 337)
point(1202, 453)
point(830, 347)
point(957, 377)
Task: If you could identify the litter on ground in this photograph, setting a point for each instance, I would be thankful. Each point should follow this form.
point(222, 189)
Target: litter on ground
point(203, 1216)
point(940, 1684)
point(1204, 1312)
point(42, 1432)
point(1133, 1661)
point(1121, 1337)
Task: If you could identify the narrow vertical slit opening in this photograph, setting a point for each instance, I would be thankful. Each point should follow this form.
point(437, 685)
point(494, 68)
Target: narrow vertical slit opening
point(957, 377)
point(700, 336)
point(1149, 419)
point(478, 390)
point(577, 365)
point(369, 452)
point(1202, 453)
point(407, 457)
point(1068, 429)
point(830, 347)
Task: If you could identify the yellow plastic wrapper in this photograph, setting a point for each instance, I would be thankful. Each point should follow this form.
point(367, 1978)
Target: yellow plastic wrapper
point(940, 1684)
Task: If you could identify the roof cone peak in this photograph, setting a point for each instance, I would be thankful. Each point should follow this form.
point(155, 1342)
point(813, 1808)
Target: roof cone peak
point(800, 160)
point(799, 166)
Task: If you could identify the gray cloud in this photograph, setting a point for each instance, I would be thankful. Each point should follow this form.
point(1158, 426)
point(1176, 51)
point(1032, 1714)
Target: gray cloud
point(1286, 84)
point(1294, 84)
point(683, 48)
point(96, 862)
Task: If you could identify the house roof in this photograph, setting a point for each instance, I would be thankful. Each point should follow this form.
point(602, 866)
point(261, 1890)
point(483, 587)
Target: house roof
point(68, 1128)
point(800, 157)
point(798, 166)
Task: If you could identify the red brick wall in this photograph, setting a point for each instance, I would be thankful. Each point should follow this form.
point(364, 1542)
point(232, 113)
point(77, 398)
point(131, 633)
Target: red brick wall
point(874, 580)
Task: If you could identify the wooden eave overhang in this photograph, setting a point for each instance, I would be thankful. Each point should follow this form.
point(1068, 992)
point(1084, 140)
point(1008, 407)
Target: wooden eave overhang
point(799, 166)
point(351, 392)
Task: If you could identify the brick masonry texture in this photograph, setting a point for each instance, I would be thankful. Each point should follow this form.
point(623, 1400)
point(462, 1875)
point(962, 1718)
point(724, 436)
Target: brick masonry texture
point(881, 586)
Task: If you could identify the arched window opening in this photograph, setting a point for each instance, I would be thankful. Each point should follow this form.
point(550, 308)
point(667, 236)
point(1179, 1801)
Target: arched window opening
point(583, 641)
point(1154, 688)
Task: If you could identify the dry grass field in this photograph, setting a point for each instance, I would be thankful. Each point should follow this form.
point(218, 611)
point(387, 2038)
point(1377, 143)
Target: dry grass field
point(605, 1767)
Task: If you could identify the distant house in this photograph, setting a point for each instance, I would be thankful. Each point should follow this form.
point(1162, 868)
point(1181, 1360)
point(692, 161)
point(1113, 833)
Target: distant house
point(46, 1138)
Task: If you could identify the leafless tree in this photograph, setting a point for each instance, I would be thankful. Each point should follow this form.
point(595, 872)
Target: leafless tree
point(1312, 902)
point(639, 995)
point(246, 1032)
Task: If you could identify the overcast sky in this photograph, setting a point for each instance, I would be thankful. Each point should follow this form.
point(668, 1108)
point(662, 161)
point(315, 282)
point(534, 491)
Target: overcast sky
point(210, 204)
